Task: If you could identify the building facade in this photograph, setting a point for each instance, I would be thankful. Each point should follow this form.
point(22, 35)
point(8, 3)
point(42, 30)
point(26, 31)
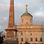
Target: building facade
point(26, 32)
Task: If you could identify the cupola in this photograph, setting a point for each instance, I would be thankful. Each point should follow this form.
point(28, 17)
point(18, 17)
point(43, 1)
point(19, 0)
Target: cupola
point(26, 17)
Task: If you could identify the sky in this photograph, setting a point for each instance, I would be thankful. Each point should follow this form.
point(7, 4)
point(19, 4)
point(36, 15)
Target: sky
point(35, 8)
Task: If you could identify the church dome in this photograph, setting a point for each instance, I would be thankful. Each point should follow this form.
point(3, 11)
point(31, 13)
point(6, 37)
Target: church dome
point(26, 13)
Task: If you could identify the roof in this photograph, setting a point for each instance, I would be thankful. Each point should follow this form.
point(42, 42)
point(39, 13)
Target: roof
point(26, 14)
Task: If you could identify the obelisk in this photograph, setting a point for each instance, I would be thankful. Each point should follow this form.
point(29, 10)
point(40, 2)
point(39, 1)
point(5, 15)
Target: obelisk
point(10, 29)
point(11, 14)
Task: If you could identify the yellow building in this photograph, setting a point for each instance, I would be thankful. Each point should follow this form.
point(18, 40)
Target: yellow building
point(26, 32)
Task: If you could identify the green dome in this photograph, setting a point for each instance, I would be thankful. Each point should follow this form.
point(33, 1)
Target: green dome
point(26, 14)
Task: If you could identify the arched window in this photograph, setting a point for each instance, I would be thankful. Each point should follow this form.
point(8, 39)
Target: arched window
point(26, 43)
point(31, 39)
point(20, 43)
point(41, 39)
point(21, 39)
point(35, 39)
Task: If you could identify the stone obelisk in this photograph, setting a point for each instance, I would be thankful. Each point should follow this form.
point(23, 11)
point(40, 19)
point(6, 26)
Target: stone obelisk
point(11, 14)
point(10, 29)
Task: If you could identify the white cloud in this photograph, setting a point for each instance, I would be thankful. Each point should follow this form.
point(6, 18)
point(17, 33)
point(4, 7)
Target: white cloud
point(36, 1)
point(18, 5)
point(0, 27)
point(6, 2)
point(4, 18)
point(39, 14)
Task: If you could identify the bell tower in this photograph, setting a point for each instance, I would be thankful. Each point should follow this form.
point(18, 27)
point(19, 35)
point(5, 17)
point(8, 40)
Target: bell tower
point(10, 29)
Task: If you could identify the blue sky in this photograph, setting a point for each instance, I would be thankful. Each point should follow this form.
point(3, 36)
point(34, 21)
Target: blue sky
point(35, 7)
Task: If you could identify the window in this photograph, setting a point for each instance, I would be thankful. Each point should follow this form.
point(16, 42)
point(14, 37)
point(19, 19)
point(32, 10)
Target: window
point(20, 43)
point(42, 43)
point(21, 39)
point(41, 39)
point(26, 43)
point(30, 33)
point(31, 39)
point(21, 33)
point(35, 39)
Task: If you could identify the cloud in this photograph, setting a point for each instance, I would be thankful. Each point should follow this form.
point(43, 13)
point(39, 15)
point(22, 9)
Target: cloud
point(4, 18)
point(39, 14)
point(4, 12)
point(0, 27)
point(4, 2)
point(18, 5)
point(35, 2)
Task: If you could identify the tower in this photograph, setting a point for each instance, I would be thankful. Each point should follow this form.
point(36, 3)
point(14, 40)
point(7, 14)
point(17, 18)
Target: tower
point(26, 17)
point(10, 29)
point(11, 14)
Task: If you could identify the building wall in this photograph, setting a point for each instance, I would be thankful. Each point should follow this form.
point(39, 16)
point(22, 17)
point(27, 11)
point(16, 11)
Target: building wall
point(43, 33)
point(26, 20)
point(30, 35)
